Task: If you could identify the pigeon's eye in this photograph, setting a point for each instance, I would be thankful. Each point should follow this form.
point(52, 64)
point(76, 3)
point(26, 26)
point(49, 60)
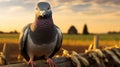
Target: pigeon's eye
point(36, 8)
point(48, 8)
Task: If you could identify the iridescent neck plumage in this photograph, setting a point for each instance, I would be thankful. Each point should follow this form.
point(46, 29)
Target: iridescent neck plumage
point(43, 23)
point(43, 28)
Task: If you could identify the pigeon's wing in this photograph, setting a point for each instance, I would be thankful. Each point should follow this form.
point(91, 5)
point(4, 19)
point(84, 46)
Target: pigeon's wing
point(59, 41)
point(23, 42)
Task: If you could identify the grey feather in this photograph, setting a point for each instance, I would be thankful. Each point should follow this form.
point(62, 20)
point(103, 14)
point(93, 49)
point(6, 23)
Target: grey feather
point(23, 42)
point(30, 49)
point(58, 43)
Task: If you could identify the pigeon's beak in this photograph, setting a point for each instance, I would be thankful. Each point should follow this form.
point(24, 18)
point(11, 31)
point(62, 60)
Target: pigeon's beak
point(42, 13)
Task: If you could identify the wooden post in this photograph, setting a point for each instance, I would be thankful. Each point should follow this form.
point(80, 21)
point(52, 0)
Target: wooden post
point(6, 51)
point(96, 42)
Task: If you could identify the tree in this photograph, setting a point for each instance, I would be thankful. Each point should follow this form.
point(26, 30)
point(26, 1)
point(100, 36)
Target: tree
point(85, 29)
point(1, 32)
point(13, 32)
point(72, 30)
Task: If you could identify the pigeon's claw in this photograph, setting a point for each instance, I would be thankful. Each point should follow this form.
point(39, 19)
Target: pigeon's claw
point(51, 63)
point(31, 63)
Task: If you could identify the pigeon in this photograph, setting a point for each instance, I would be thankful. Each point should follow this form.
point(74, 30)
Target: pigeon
point(41, 39)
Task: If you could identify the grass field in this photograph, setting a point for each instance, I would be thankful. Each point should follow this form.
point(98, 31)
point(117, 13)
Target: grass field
point(70, 39)
point(9, 38)
point(104, 39)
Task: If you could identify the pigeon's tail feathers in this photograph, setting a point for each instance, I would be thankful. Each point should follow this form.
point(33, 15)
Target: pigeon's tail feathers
point(23, 42)
point(59, 42)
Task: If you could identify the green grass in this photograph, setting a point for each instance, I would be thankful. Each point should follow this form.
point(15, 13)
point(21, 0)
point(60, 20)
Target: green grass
point(103, 37)
point(78, 37)
point(9, 38)
point(110, 37)
point(70, 39)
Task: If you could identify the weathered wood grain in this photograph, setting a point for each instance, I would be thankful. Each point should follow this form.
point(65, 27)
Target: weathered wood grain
point(67, 62)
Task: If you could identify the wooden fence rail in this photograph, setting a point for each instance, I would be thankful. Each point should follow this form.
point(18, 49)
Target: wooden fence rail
point(113, 60)
point(60, 62)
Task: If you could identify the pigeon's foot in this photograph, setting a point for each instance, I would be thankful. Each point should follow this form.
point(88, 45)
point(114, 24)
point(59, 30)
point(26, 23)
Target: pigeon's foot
point(31, 63)
point(51, 63)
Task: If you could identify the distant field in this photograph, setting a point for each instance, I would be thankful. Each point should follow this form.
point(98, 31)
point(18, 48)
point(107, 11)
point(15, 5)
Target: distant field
point(70, 39)
point(9, 38)
point(105, 39)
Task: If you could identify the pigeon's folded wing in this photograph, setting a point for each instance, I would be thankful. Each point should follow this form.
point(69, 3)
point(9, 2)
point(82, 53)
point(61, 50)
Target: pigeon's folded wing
point(59, 41)
point(23, 42)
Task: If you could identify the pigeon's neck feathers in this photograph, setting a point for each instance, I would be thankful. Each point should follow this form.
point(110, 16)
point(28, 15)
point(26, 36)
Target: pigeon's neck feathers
point(42, 24)
point(43, 28)
point(44, 31)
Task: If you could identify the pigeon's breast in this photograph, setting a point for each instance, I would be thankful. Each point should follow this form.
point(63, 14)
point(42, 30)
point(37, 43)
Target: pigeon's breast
point(43, 35)
point(41, 49)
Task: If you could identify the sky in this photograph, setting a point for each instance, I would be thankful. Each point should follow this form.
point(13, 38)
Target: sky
point(100, 16)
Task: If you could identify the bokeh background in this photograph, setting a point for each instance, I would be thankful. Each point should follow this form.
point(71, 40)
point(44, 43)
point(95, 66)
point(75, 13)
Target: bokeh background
point(79, 21)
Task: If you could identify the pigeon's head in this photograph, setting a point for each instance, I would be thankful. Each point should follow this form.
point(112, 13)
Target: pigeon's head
point(43, 9)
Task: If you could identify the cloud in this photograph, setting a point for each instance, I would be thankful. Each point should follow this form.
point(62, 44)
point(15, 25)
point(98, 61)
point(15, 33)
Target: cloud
point(117, 14)
point(101, 9)
point(4, 1)
point(16, 8)
point(91, 7)
point(116, 2)
point(83, 6)
point(80, 7)
point(30, 1)
point(110, 2)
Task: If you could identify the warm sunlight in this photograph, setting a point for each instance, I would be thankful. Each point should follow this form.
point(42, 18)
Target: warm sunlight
point(68, 33)
point(100, 18)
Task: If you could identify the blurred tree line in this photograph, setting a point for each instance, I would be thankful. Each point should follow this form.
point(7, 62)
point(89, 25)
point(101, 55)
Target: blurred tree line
point(113, 32)
point(11, 32)
point(73, 30)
